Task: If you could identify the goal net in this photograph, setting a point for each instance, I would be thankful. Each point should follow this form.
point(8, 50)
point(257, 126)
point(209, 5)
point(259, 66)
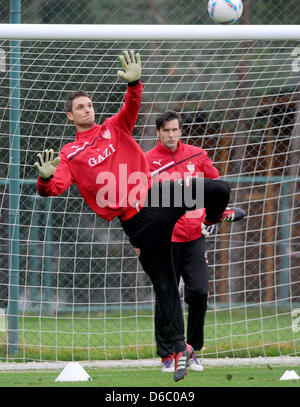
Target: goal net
point(71, 286)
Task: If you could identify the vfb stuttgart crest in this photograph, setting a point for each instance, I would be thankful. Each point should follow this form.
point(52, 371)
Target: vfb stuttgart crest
point(191, 167)
point(107, 134)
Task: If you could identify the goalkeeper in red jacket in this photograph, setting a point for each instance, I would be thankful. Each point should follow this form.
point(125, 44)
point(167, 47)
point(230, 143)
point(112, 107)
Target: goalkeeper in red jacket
point(113, 177)
point(172, 159)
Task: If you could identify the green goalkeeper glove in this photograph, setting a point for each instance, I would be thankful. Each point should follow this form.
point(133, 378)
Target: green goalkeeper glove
point(131, 63)
point(46, 164)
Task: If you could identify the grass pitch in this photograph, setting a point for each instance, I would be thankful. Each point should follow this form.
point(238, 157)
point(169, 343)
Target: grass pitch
point(114, 378)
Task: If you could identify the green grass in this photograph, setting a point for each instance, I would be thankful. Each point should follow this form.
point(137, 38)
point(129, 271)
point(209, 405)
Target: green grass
point(235, 333)
point(245, 376)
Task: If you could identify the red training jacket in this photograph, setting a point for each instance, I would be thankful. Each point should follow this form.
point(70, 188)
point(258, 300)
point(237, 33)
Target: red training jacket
point(108, 166)
point(194, 160)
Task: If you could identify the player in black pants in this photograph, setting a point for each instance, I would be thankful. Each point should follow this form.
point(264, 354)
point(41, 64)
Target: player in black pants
point(190, 263)
point(151, 231)
point(104, 150)
point(188, 256)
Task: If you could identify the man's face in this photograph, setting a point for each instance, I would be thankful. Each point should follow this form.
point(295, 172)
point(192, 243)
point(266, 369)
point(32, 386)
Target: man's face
point(169, 134)
point(83, 114)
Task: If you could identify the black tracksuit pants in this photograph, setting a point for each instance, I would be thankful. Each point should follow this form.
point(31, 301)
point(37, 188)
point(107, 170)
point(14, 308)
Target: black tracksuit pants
point(190, 263)
point(151, 230)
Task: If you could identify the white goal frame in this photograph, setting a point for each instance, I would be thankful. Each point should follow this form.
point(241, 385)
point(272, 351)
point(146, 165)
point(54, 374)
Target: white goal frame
point(108, 32)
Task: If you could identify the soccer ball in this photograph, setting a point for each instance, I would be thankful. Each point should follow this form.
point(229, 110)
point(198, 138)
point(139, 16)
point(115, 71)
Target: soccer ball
point(225, 11)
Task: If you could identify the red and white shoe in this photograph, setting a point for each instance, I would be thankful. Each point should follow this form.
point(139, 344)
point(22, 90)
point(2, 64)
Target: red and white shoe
point(229, 215)
point(194, 364)
point(168, 364)
point(182, 360)
point(232, 215)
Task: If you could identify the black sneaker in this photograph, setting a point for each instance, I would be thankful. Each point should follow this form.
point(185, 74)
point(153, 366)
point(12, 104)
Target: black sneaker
point(229, 215)
point(232, 215)
point(181, 362)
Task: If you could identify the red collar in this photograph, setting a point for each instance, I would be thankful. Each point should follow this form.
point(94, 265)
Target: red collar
point(161, 148)
point(87, 133)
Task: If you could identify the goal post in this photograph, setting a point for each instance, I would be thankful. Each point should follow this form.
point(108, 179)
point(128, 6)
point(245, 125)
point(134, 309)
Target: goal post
point(71, 286)
point(149, 32)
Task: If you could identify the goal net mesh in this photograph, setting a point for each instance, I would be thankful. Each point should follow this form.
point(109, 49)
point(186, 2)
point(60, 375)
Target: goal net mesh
point(78, 290)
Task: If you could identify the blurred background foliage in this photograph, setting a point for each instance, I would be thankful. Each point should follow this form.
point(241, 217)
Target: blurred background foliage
point(145, 12)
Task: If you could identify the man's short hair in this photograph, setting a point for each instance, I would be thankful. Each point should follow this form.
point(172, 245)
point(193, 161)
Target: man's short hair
point(72, 96)
point(167, 117)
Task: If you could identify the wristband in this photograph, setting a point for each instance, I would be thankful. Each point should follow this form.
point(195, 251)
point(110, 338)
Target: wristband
point(46, 179)
point(134, 83)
